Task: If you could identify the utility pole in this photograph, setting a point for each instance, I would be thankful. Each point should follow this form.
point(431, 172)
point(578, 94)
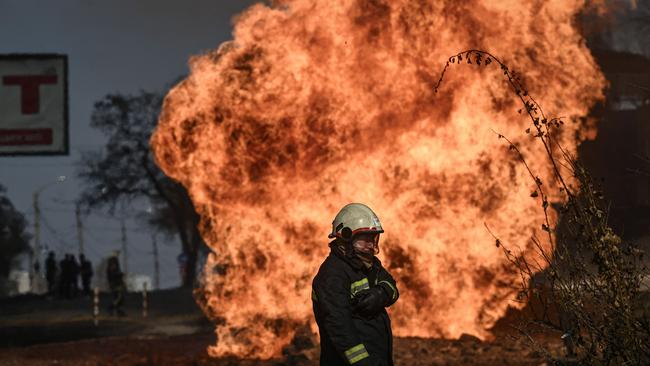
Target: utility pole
point(156, 264)
point(36, 255)
point(35, 262)
point(125, 256)
point(80, 231)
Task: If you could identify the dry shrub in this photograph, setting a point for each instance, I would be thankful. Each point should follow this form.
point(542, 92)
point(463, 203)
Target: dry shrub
point(589, 287)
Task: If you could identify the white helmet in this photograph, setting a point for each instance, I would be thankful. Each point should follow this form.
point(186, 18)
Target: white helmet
point(355, 218)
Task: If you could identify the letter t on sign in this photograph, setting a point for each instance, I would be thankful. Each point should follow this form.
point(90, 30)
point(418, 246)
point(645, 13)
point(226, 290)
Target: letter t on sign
point(29, 89)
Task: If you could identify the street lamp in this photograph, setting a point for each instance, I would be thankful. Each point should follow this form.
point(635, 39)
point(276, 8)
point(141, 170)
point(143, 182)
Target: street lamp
point(36, 256)
point(156, 263)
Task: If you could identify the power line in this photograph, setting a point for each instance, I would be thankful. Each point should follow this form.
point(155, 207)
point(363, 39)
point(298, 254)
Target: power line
point(164, 265)
point(92, 236)
point(49, 226)
point(93, 249)
point(51, 209)
point(63, 202)
point(101, 228)
point(63, 242)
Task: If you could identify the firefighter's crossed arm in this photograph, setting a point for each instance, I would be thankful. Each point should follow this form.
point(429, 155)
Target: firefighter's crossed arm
point(386, 281)
point(373, 300)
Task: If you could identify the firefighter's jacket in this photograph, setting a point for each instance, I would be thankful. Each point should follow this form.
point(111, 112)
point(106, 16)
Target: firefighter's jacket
point(347, 337)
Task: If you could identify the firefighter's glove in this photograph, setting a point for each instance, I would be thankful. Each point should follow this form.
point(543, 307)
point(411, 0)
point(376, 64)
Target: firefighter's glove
point(371, 301)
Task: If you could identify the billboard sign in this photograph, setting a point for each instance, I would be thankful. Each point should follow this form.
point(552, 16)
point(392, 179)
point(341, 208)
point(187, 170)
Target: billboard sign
point(34, 104)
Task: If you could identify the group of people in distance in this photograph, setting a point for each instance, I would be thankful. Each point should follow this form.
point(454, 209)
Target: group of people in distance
point(63, 277)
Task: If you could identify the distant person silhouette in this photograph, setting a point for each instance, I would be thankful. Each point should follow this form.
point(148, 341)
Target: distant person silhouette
point(116, 284)
point(74, 276)
point(50, 273)
point(64, 275)
point(86, 273)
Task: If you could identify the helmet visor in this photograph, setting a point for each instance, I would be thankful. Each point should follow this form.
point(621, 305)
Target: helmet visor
point(366, 242)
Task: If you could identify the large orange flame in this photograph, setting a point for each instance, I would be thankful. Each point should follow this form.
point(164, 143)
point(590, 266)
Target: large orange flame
point(318, 103)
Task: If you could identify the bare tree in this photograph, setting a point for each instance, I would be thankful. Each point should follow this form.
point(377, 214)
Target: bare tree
point(14, 240)
point(124, 171)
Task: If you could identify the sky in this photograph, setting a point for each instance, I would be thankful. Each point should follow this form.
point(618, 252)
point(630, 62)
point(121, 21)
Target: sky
point(117, 46)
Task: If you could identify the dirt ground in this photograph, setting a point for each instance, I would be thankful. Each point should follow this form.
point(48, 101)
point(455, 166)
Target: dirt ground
point(37, 331)
point(190, 350)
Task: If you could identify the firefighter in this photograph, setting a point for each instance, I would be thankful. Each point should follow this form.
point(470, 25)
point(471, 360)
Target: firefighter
point(50, 273)
point(351, 291)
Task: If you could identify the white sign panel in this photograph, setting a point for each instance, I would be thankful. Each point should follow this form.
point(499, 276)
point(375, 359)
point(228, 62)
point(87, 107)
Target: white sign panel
point(33, 104)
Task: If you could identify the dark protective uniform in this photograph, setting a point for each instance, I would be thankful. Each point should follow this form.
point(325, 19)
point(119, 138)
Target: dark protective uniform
point(347, 336)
